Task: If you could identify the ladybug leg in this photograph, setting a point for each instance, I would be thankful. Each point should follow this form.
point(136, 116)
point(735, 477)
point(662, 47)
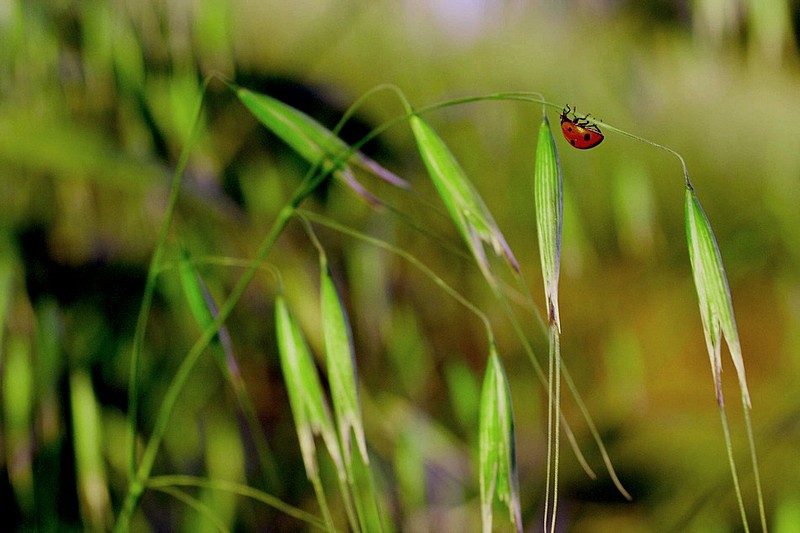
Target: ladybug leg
point(594, 119)
point(588, 124)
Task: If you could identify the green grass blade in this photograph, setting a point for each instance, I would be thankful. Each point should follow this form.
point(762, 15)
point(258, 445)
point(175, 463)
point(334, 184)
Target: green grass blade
point(548, 198)
point(716, 306)
point(202, 306)
point(18, 397)
point(135, 485)
point(193, 291)
point(199, 506)
point(90, 467)
point(309, 407)
point(313, 141)
point(138, 476)
point(341, 365)
point(466, 208)
point(342, 376)
point(549, 202)
point(160, 482)
point(716, 312)
point(304, 135)
point(7, 267)
point(367, 497)
point(498, 470)
point(307, 400)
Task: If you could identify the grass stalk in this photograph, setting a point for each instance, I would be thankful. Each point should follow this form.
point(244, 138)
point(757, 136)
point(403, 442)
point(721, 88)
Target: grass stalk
point(553, 427)
point(754, 460)
point(138, 483)
point(732, 465)
point(159, 482)
point(150, 287)
point(476, 227)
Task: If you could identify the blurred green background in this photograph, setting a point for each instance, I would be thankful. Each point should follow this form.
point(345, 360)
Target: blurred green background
point(97, 101)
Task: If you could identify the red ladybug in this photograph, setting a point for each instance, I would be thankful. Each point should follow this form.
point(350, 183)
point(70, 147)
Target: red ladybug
point(578, 131)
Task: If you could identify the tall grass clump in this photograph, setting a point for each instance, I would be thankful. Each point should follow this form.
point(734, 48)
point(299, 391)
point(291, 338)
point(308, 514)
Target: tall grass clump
point(328, 399)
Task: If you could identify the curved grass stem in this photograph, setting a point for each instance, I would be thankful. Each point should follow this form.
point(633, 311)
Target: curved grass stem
point(553, 426)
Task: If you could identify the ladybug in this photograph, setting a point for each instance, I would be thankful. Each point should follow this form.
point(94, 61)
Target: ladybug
point(578, 131)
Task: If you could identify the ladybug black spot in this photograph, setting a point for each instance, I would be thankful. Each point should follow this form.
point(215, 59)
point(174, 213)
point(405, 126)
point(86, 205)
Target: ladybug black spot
point(586, 136)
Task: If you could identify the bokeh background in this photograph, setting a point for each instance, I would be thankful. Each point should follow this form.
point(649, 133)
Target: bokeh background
point(97, 101)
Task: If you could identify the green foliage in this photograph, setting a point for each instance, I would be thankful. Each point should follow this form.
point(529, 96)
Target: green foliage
point(498, 468)
point(549, 201)
point(473, 219)
point(716, 307)
point(99, 105)
point(92, 479)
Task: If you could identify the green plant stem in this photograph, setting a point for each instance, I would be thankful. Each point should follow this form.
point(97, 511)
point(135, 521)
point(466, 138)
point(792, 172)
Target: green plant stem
point(726, 430)
point(732, 463)
point(746, 406)
point(549, 455)
point(139, 478)
point(751, 441)
point(578, 401)
point(351, 498)
point(651, 143)
point(323, 503)
point(150, 286)
point(593, 430)
point(260, 443)
point(198, 507)
point(159, 482)
point(553, 426)
point(556, 342)
point(319, 219)
point(537, 367)
point(138, 483)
